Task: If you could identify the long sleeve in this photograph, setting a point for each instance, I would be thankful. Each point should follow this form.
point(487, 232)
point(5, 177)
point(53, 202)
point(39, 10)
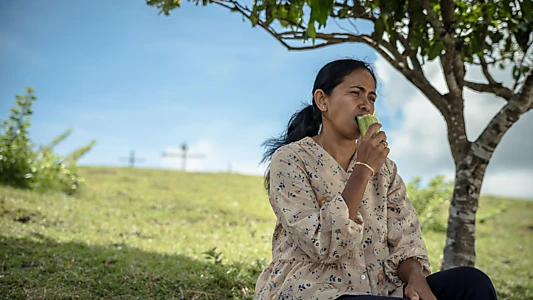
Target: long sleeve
point(404, 234)
point(322, 230)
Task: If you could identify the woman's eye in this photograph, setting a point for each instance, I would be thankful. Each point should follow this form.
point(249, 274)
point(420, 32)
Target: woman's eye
point(355, 93)
point(372, 99)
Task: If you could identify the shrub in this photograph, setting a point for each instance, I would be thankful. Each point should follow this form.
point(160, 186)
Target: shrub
point(430, 201)
point(23, 166)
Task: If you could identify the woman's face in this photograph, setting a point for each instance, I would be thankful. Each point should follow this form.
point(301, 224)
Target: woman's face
point(355, 96)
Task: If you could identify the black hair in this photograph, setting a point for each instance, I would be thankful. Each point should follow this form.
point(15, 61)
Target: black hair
point(307, 121)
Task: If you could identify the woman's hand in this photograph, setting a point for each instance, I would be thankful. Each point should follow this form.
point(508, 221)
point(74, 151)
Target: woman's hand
point(373, 150)
point(418, 289)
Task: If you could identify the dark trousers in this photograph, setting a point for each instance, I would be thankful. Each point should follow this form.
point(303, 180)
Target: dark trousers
point(461, 283)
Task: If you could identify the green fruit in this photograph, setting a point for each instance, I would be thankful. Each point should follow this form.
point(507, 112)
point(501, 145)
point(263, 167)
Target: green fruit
point(364, 122)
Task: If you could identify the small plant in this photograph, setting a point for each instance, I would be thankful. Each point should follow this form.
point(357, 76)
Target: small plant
point(214, 255)
point(23, 166)
point(429, 201)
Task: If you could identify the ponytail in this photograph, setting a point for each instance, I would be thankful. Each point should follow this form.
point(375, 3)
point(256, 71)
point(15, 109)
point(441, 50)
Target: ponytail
point(303, 123)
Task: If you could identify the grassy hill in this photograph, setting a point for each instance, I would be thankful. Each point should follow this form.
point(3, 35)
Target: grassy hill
point(139, 233)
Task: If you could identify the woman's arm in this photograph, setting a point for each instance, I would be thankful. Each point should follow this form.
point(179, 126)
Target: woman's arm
point(355, 188)
point(410, 269)
point(373, 153)
point(323, 231)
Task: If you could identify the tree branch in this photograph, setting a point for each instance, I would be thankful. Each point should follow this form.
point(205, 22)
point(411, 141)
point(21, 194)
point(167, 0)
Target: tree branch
point(526, 94)
point(485, 69)
point(495, 88)
point(448, 18)
point(409, 53)
point(402, 61)
point(361, 12)
point(437, 25)
point(412, 53)
point(517, 82)
point(506, 117)
point(451, 62)
point(414, 76)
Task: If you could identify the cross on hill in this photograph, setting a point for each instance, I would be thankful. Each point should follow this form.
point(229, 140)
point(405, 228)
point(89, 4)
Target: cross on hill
point(184, 155)
point(132, 159)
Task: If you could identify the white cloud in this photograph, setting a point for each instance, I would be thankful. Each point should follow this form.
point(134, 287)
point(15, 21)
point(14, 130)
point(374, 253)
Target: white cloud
point(510, 183)
point(418, 135)
point(416, 130)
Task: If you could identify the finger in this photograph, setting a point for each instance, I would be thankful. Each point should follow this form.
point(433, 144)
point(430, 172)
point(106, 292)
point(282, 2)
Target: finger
point(370, 132)
point(382, 147)
point(383, 151)
point(381, 136)
point(384, 138)
point(411, 294)
point(379, 139)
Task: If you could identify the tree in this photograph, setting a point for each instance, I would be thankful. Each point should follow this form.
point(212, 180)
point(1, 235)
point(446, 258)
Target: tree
point(407, 34)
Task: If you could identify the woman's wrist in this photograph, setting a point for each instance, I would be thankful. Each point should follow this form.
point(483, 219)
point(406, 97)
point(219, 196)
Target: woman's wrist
point(362, 172)
point(410, 270)
point(359, 163)
point(416, 275)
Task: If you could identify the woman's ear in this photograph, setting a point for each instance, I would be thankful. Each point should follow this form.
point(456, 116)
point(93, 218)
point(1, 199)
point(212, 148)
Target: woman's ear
point(320, 100)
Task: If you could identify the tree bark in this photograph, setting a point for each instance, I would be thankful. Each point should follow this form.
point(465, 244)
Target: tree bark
point(461, 232)
point(469, 174)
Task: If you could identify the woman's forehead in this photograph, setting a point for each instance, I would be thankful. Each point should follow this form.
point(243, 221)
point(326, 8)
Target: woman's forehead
point(360, 77)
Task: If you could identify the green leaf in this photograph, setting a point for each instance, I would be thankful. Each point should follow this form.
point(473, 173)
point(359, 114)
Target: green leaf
point(387, 21)
point(342, 13)
point(415, 42)
point(527, 9)
point(516, 72)
point(435, 50)
point(475, 42)
point(253, 19)
point(496, 36)
point(311, 31)
point(325, 8)
point(315, 10)
point(305, 36)
point(320, 11)
point(379, 28)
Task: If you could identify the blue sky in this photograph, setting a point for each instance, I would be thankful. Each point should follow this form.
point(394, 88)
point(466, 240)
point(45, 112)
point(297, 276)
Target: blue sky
point(120, 73)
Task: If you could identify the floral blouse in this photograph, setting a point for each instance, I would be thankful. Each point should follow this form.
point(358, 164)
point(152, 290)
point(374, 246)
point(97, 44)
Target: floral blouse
point(317, 251)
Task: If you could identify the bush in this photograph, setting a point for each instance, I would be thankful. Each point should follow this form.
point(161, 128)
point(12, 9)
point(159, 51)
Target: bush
point(23, 166)
point(432, 202)
point(429, 202)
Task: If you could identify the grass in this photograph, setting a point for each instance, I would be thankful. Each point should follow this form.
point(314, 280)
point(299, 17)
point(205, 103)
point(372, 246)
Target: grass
point(139, 233)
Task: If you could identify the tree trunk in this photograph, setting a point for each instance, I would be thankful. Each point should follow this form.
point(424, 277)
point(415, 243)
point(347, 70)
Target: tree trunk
point(461, 235)
point(471, 161)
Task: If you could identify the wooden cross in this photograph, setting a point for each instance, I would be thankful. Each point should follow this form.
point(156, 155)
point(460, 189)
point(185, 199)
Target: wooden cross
point(132, 159)
point(184, 155)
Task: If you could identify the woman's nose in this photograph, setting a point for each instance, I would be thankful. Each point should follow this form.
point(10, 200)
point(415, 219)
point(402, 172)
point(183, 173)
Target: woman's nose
point(365, 106)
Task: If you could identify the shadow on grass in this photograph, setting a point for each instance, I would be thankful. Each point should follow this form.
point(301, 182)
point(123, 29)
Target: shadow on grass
point(39, 267)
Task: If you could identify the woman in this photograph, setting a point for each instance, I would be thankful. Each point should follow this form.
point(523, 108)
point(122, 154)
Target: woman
point(345, 228)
